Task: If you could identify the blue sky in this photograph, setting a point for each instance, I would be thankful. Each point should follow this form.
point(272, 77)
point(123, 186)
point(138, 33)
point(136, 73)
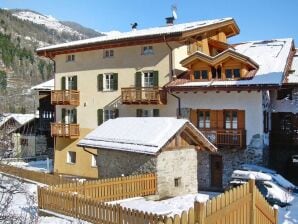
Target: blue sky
point(257, 19)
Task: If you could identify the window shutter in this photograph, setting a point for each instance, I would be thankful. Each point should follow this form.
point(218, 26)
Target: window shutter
point(63, 83)
point(139, 112)
point(63, 111)
point(241, 119)
point(74, 116)
point(115, 76)
point(155, 112)
point(213, 119)
point(116, 113)
point(193, 117)
point(99, 116)
point(138, 79)
point(155, 78)
point(75, 82)
point(220, 119)
point(100, 82)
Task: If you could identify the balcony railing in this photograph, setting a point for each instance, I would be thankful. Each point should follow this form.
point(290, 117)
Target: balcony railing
point(143, 95)
point(65, 97)
point(225, 138)
point(65, 130)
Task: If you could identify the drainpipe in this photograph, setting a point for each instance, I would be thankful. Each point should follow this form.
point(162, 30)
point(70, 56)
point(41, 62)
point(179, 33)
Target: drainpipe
point(179, 103)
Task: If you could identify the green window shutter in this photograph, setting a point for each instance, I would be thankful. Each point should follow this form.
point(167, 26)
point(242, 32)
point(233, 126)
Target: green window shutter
point(100, 82)
point(155, 112)
point(63, 115)
point(63, 80)
point(74, 119)
point(138, 79)
point(116, 113)
point(139, 113)
point(115, 76)
point(155, 78)
point(75, 82)
point(99, 116)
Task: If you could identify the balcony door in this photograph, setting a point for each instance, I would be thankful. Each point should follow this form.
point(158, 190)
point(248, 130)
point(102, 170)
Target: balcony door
point(69, 83)
point(69, 116)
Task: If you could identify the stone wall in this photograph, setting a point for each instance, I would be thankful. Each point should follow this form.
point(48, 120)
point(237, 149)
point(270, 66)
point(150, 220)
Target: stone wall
point(180, 165)
point(114, 163)
point(204, 170)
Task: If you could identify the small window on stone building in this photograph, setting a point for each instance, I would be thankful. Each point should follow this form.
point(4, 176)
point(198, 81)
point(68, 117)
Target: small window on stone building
point(177, 181)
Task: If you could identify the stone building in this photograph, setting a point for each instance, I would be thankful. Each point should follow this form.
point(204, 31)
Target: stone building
point(166, 146)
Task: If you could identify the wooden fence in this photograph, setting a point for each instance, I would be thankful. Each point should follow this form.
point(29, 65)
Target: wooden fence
point(40, 177)
point(241, 205)
point(113, 188)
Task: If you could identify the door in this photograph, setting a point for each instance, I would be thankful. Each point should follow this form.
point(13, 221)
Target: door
point(216, 171)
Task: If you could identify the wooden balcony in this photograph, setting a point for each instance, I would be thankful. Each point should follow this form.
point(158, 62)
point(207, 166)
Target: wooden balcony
point(143, 95)
point(226, 138)
point(65, 130)
point(65, 97)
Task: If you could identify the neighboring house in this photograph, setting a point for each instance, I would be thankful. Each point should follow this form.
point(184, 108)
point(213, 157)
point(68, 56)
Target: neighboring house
point(166, 146)
point(105, 77)
point(46, 113)
point(228, 96)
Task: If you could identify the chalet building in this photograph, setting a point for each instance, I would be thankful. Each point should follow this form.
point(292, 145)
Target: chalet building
point(186, 70)
point(105, 77)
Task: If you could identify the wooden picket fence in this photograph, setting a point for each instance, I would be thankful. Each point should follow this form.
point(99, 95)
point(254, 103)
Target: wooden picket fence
point(35, 176)
point(112, 188)
point(241, 205)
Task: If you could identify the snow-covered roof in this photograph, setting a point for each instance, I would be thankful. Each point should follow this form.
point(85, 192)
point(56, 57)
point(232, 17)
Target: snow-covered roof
point(292, 78)
point(271, 56)
point(145, 135)
point(21, 119)
point(156, 31)
point(48, 85)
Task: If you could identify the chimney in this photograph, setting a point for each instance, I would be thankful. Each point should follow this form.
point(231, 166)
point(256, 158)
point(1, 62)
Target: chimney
point(134, 26)
point(170, 21)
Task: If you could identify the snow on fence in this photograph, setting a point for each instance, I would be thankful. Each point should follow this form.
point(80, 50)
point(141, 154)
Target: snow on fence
point(112, 188)
point(35, 176)
point(241, 205)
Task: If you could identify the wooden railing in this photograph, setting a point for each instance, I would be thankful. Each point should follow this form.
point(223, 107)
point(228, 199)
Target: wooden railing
point(65, 130)
point(226, 138)
point(35, 176)
point(65, 97)
point(143, 95)
point(113, 188)
point(243, 204)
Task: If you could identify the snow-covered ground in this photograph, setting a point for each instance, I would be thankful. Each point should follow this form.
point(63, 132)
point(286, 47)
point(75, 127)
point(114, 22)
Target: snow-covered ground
point(40, 165)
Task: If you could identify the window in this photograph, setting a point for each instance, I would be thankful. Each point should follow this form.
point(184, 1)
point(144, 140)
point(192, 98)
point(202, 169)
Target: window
point(69, 83)
point(94, 161)
point(109, 114)
point(148, 113)
point(104, 115)
point(201, 74)
point(108, 53)
point(71, 157)
point(232, 73)
point(177, 182)
point(148, 79)
point(231, 119)
point(147, 50)
point(70, 57)
point(216, 72)
point(109, 82)
point(203, 119)
point(69, 116)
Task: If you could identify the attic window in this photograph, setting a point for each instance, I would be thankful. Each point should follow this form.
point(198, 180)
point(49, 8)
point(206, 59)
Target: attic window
point(232, 73)
point(147, 50)
point(70, 57)
point(201, 74)
point(108, 53)
point(177, 181)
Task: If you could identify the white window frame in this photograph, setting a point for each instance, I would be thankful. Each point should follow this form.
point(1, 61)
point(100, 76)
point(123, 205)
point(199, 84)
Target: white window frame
point(108, 53)
point(147, 50)
point(70, 57)
point(108, 83)
point(68, 80)
point(108, 114)
point(94, 162)
point(70, 158)
point(148, 79)
point(69, 116)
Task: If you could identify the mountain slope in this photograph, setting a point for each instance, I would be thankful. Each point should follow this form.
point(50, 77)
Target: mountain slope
point(21, 32)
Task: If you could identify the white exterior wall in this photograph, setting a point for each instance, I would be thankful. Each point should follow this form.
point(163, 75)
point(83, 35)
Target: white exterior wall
point(251, 102)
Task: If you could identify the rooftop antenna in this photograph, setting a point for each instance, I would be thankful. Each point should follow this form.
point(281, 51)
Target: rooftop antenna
point(134, 26)
point(170, 20)
point(174, 11)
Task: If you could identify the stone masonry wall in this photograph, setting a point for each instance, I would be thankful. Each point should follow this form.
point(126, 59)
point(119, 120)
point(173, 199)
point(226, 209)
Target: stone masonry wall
point(180, 165)
point(114, 163)
point(204, 170)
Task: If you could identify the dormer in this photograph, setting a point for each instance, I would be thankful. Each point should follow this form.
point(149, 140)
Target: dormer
point(227, 65)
